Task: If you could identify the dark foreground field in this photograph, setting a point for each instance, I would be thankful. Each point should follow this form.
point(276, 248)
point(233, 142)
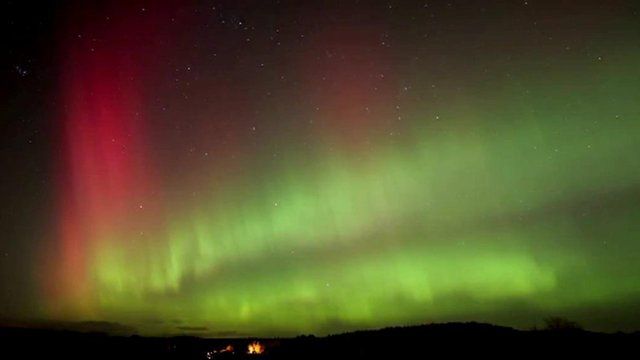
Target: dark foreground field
point(471, 339)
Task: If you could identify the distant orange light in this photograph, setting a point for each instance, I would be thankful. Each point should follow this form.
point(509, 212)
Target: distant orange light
point(255, 348)
point(210, 354)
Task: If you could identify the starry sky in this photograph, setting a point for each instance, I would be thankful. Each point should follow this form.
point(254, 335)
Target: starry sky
point(226, 168)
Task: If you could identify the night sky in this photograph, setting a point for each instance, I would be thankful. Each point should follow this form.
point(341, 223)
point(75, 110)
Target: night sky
point(283, 167)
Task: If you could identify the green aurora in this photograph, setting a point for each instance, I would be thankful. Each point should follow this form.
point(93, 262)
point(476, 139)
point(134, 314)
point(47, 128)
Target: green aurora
point(476, 169)
point(531, 203)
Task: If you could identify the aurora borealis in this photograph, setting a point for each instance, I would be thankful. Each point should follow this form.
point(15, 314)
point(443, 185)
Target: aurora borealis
point(277, 168)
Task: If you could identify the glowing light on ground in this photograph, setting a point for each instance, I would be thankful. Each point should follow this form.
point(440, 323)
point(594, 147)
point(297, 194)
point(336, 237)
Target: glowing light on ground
point(255, 348)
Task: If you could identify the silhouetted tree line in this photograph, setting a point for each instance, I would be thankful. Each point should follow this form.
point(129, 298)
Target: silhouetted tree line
point(559, 335)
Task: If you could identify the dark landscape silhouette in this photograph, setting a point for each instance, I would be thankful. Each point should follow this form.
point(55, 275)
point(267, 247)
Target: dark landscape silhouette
point(559, 336)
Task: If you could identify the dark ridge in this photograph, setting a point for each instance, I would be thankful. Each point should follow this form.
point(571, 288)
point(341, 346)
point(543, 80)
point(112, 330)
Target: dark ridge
point(452, 339)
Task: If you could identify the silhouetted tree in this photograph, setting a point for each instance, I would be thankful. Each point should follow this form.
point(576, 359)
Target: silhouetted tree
point(557, 323)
